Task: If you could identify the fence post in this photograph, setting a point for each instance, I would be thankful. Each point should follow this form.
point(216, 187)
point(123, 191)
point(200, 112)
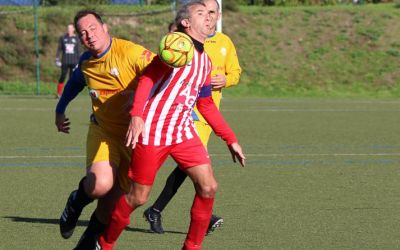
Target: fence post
point(35, 14)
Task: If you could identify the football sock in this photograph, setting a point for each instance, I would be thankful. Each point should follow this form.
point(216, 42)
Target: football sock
point(174, 181)
point(95, 227)
point(60, 87)
point(120, 218)
point(81, 199)
point(200, 218)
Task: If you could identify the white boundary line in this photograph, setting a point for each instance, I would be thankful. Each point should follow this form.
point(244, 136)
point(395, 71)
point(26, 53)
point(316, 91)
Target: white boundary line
point(258, 109)
point(247, 155)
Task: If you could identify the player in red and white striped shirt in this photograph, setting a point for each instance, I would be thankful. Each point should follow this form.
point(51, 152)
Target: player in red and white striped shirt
point(162, 126)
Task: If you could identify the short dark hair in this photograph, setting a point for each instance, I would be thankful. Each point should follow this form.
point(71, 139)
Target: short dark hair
point(84, 13)
point(184, 13)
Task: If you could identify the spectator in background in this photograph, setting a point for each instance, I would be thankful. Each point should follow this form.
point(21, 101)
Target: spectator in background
point(67, 56)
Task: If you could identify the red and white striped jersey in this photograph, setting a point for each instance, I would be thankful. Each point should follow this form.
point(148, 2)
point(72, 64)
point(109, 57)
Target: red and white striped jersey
point(167, 113)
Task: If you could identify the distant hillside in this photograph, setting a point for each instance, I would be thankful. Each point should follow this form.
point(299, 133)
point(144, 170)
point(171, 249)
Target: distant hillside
point(340, 50)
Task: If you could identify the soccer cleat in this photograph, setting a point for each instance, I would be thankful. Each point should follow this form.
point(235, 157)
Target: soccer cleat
point(69, 218)
point(154, 219)
point(101, 244)
point(215, 222)
point(86, 242)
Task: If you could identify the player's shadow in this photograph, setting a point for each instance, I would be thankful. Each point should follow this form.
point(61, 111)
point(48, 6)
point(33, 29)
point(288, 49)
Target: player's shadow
point(81, 223)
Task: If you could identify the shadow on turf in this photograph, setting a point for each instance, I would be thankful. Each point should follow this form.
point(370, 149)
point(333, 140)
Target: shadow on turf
point(80, 224)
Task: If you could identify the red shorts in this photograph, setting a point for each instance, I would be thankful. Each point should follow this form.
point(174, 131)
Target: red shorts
point(146, 160)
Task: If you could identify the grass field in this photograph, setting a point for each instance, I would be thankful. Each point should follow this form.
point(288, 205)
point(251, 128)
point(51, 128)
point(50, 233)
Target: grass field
point(321, 174)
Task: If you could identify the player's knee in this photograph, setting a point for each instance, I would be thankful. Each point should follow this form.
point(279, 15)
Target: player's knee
point(101, 187)
point(137, 199)
point(208, 190)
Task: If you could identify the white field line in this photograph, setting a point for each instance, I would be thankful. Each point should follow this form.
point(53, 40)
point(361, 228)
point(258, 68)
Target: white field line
point(308, 110)
point(258, 109)
point(247, 155)
point(39, 109)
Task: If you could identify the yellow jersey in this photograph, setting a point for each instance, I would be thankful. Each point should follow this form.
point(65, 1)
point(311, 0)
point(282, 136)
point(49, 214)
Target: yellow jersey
point(222, 53)
point(111, 79)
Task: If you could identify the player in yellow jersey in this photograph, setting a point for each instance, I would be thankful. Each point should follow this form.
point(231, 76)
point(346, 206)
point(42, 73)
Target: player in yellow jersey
point(110, 69)
point(225, 73)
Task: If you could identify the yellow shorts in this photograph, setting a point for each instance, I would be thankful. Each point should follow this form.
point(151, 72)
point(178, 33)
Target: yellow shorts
point(101, 146)
point(204, 131)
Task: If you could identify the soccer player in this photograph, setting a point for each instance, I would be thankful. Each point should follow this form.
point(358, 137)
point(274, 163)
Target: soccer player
point(162, 125)
point(225, 73)
point(68, 50)
point(110, 70)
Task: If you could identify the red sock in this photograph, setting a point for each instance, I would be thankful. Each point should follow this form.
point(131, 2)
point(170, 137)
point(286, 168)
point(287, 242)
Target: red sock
point(60, 87)
point(200, 219)
point(120, 218)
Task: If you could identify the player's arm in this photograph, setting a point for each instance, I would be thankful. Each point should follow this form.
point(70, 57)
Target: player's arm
point(151, 74)
point(73, 87)
point(58, 53)
point(209, 111)
point(232, 67)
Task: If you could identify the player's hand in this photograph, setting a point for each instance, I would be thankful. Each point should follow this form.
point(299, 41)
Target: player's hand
point(136, 127)
point(218, 81)
point(236, 151)
point(58, 62)
point(62, 123)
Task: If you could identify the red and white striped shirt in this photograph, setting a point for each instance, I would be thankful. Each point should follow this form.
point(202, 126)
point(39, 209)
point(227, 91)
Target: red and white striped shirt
point(167, 112)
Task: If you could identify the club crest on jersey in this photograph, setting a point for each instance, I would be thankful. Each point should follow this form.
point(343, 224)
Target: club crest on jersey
point(223, 51)
point(94, 93)
point(114, 72)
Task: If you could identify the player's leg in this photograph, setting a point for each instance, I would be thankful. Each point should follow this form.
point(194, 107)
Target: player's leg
point(70, 70)
point(204, 131)
point(153, 213)
point(60, 85)
point(99, 179)
point(145, 162)
point(201, 211)
point(95, 184)
point(194, 160)
point(106, 204)
point(99, 219)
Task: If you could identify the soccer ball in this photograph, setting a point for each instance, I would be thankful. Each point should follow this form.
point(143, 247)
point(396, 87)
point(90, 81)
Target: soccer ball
point(176, 49)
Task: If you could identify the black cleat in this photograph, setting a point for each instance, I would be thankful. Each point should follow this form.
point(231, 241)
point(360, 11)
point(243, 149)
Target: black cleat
point(154, 219)
point(69, 218)
point(87, 242)
point(215, 222)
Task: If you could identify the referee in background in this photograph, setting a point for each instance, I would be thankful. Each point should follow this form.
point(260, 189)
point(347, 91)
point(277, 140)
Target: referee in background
point(68, 49)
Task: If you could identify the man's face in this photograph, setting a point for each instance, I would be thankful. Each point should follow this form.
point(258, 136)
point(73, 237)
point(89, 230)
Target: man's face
point(212, 8)
point(93, 34)
point(71, 29)
point(199, 22)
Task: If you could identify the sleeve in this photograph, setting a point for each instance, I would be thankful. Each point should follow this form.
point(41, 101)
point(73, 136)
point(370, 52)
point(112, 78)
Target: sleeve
point(59, 47)
point(209, 111)
point(232, 67)
point(73, 87)
point(151, 74)
point(142, 60)
point(78, 48)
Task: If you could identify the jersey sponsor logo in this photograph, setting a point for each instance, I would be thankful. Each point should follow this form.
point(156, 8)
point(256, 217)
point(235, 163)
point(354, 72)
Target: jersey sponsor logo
point(188, 95)
point(94, 94)
point(69, 48)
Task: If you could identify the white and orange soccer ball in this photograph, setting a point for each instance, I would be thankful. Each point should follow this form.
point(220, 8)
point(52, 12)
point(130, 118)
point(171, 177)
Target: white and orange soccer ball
point(176, 49)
